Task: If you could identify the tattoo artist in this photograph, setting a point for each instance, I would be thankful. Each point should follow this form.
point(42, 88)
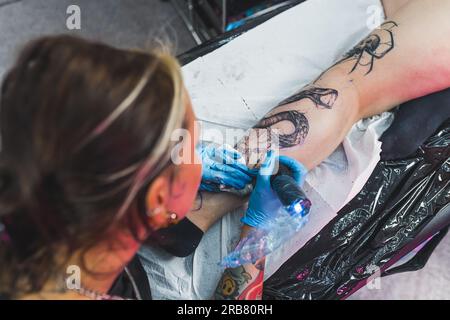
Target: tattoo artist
point(86, 173)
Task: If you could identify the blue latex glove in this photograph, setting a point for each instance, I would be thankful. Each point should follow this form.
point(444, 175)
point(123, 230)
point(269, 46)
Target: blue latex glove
point(221, 167)
point(264, 203)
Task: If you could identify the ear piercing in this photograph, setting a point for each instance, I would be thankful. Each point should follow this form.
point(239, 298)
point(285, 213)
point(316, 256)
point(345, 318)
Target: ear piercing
point(173, 216)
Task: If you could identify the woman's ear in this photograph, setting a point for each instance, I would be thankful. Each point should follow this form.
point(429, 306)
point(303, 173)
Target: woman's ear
point(157, 200)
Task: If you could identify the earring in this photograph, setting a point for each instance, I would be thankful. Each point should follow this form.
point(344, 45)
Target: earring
point(171, 217)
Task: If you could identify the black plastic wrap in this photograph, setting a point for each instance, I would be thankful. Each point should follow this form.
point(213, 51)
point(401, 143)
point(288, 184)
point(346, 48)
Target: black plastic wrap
point(399, 201)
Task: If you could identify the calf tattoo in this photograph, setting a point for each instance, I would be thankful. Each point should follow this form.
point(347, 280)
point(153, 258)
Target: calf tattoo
point(372, 48)
point(321, 97)
point(233, 280)
point(238, 284)
point(299, 121)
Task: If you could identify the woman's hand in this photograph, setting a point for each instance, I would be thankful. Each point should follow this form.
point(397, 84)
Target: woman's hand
point(221, 167)
point(264, 203)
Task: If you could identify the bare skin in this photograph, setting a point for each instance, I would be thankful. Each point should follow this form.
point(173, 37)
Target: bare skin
point(392, 6)
point(214, 206)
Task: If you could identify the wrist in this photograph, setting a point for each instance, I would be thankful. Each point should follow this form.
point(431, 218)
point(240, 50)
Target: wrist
point(213, 206)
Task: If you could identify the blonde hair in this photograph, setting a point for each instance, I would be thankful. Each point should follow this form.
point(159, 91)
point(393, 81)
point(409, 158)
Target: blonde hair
point(68, 107)
point(161, 152)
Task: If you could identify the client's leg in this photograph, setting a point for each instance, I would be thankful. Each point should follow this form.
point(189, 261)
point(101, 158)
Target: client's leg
point(392, 6)
point(401, 60)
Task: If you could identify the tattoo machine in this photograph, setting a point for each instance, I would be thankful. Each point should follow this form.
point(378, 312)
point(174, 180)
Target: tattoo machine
point(287, 189)
point(288, 221)
point(289, 192)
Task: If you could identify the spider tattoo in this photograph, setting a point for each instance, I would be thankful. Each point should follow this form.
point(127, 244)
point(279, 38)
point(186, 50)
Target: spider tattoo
point(372, 48)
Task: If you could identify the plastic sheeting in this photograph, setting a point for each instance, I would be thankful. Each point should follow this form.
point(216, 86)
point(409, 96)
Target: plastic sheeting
point(399, 200)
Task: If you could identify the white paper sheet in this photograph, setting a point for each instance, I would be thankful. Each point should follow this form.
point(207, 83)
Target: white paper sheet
point(235, 86)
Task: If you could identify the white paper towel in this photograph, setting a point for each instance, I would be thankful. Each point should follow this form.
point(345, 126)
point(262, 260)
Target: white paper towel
point(237, 85)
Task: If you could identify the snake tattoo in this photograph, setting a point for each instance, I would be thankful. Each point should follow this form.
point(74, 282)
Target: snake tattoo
point(299, 121)
point(321, 97)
